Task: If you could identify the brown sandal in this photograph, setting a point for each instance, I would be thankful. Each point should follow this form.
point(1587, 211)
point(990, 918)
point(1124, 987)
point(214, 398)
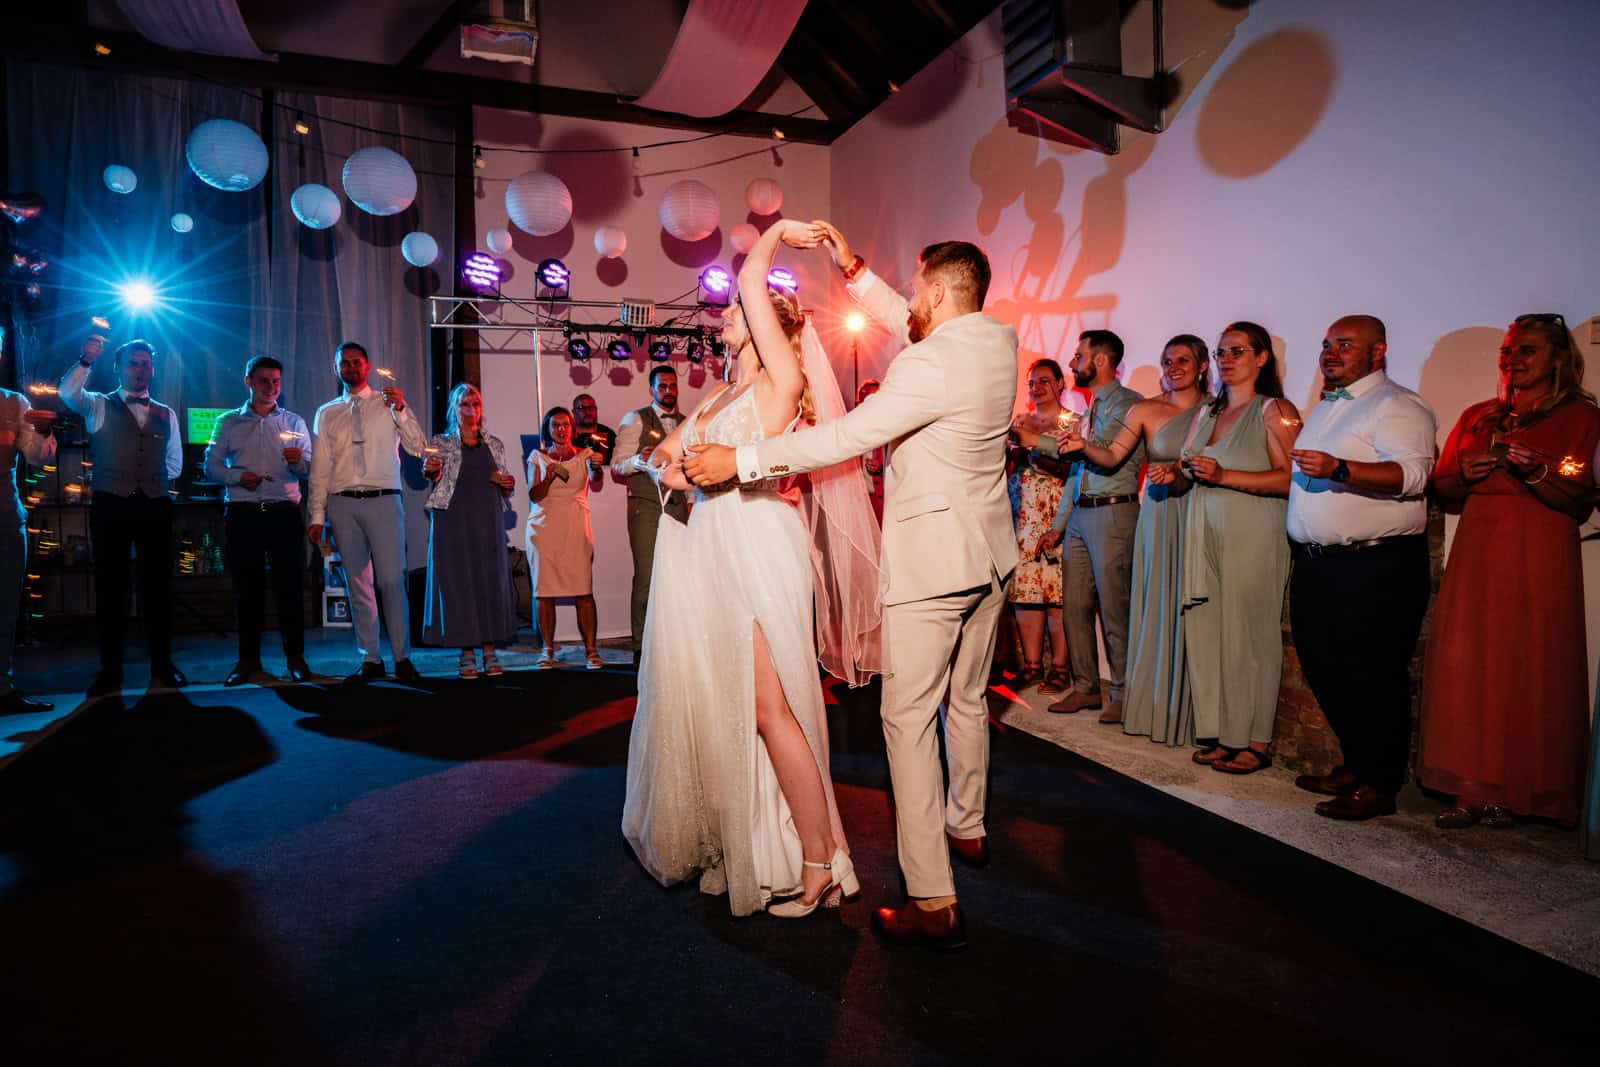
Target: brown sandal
point(1056, 680)
point(1030, 673)
point(1231, 764)
point(1214, 754)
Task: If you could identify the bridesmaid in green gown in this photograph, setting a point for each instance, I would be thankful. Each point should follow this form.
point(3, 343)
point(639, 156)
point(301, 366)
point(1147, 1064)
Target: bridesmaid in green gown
point(1156, 702)
point(1236, 551)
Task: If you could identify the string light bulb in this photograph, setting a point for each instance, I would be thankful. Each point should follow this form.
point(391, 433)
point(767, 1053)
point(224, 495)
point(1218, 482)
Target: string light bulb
point(778, 133)
point(301, 126)
point(102, 49)
point(478, 162)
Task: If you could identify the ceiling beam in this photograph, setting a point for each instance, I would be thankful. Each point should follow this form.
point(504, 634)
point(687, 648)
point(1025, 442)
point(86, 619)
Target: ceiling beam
point(450, 18)
point(341, 77)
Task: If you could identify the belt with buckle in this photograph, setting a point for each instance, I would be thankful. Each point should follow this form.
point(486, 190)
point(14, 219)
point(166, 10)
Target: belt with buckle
point(1312, 550)
point(366, 494)
point(1105, 501)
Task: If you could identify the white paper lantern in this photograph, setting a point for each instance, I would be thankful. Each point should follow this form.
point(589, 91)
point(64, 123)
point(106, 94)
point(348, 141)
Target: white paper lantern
point(689, 210)
point(420, 249)
point(743, 237)
point(182, 223)
point(610, 241)
point(539, 203)
point(120, 179)
point(379, 181)
point(316, 206)
point(226, 155)
point(498, 240)
point(764, 196)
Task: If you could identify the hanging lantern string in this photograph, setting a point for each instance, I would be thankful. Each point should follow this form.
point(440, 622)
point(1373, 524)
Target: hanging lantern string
point(300, 113)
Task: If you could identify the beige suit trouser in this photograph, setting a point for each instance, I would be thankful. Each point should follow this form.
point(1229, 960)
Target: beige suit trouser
point(939, 653)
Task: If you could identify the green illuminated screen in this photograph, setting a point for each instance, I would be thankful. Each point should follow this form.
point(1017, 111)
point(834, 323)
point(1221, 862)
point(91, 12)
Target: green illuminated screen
point(201, 422)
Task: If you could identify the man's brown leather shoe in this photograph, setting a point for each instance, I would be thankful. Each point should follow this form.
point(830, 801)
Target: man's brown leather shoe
point(941, 929)
point(1075, 702)
point(1361, 803)
point(973, 851)
point(1335, 783)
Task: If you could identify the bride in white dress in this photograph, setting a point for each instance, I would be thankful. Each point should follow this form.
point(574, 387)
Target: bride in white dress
point(728, 759)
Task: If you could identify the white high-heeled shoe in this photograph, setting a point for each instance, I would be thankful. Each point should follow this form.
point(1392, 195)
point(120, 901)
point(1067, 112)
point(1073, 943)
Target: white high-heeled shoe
point(843, 885)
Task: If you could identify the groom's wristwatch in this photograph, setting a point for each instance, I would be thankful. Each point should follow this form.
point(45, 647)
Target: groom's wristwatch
point(1341, 472)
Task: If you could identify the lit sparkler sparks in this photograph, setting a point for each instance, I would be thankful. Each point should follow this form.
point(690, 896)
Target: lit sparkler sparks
point(385, 373)
point(1570, 467)
point(41, 389)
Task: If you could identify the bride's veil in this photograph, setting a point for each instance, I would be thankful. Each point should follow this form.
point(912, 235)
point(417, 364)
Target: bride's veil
point(844, 539)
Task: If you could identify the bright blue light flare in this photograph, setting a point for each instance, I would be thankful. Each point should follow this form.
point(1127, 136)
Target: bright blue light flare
point(138, 294)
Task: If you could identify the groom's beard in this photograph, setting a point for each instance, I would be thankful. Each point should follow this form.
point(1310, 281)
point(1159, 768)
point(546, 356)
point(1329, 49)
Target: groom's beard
point(916, 325)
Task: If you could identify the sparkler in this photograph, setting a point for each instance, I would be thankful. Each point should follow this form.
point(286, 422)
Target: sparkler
point(103, 323)
point(41, 389)
point(1570, 467)
point(385, 373)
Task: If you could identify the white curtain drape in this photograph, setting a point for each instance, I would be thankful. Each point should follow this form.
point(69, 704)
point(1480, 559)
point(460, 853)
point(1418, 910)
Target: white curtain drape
point(214, 27)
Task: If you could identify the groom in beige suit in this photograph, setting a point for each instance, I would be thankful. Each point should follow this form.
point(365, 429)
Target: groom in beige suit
point(948, 550)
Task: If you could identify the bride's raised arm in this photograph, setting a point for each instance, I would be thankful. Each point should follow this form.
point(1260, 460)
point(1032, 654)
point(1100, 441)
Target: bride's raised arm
point(778, 356)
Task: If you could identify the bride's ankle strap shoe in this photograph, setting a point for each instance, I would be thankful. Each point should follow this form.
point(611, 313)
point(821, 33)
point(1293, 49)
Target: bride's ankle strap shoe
point(843, 885)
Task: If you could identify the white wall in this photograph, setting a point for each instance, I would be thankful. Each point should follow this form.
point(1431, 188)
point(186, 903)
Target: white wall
point(617, 189)
point(1432, 162)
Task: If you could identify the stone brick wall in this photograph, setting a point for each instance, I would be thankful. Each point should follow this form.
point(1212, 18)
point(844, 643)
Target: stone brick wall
point(1301, 738)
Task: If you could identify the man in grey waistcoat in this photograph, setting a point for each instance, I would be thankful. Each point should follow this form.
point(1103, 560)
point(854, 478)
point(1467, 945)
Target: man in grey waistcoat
point(637, 437)
point(138, 456)
point(1098, 517)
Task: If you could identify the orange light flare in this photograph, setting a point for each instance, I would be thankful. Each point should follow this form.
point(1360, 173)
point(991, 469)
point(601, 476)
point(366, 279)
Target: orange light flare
point(1570, 467)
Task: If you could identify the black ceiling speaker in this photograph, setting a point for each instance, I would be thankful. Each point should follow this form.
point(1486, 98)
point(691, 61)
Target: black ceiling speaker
point(1064, 71)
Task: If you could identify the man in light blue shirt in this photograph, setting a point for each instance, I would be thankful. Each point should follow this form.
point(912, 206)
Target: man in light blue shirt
point(259, 453)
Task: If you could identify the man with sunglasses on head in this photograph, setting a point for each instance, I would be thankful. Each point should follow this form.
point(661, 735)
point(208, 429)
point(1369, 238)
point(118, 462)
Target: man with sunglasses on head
point(1358, 519)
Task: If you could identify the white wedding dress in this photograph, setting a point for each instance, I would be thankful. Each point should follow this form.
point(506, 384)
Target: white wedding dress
point(702, 795)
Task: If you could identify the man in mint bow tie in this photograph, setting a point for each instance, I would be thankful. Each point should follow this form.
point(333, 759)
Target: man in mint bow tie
point(1357, 531)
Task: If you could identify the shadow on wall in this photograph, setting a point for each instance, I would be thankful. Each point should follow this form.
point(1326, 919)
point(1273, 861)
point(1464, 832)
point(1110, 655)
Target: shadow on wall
point(533, 249)
point(1051, 301)
point(1461, 370)
point(1266, 103)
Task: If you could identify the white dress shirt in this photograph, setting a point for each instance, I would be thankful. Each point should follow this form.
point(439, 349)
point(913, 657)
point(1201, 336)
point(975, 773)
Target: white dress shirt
point(625, 458)
point(356, 442)
point(92, 406)
point(1381, 423)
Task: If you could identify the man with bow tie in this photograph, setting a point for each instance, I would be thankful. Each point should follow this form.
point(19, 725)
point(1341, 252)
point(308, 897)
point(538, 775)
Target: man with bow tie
point(637, 437)
point(138, 455)
point(355, 488)
point(1358, 521)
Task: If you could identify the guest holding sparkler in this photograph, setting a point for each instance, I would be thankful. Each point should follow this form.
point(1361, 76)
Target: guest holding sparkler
point(470, 602)
point(1035, 483)
point(137, 458)
point(1505, 718)
point(24, 432)
point(560, 535)
point(355, 488)
point(1157, 704)
point(1357, 524)
point(259, 453)
point(1098, 516)
point(637, 437)
point(1235, 556)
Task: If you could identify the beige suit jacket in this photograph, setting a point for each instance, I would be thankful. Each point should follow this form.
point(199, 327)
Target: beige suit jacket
point(944, 408)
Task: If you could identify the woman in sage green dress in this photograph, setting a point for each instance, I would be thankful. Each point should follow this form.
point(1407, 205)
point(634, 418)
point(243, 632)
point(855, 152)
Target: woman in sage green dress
point(1156, 703)
point(1235, 551)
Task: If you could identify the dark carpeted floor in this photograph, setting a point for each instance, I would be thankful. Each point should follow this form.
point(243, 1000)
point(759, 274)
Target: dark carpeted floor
point(393, 876)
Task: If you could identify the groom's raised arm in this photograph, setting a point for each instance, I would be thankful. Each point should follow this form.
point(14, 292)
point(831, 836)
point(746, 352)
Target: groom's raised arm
point(912, 396)
point(880, 301)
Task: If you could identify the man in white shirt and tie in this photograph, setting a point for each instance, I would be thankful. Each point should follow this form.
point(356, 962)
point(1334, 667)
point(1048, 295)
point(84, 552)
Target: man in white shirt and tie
point(1357, 524)
point(355, 488)
point(138, 456)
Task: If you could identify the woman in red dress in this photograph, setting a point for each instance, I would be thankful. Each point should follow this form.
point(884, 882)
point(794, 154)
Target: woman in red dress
point(1505, 721)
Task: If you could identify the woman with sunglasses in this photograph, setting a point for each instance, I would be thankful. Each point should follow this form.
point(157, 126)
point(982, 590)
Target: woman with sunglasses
point(1235, 554)
point(1505, 716)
